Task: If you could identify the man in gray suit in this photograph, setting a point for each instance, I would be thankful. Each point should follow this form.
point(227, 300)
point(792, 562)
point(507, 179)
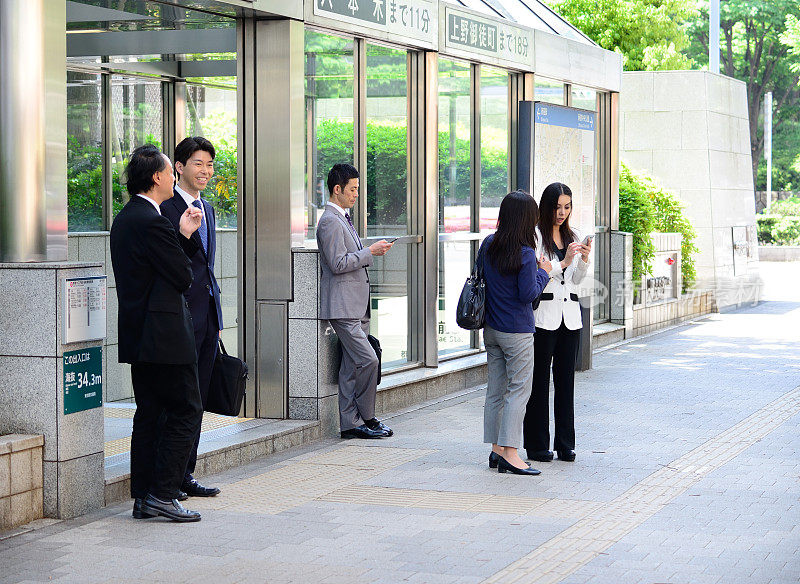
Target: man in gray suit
point(344, 301)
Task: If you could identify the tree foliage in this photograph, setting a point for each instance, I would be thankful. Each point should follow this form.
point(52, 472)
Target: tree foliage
point(647, 33)
point(760, 45)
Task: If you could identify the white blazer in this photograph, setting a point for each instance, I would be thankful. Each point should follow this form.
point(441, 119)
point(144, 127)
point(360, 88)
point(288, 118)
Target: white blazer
point(559, 299)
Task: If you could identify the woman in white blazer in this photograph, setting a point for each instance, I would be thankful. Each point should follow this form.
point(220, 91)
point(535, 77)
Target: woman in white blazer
point(558, 326)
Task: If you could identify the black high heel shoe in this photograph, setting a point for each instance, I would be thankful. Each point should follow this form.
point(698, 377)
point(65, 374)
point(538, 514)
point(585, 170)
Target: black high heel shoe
point(566, 455)
point(493, 457)
point(503, 466)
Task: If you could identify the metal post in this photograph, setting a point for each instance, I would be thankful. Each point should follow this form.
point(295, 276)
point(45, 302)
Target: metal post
point(22, 138)
point(768, 145)
point(713, 37)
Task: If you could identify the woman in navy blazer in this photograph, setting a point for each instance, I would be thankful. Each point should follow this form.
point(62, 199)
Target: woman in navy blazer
point(514, 279)
point(558, 328)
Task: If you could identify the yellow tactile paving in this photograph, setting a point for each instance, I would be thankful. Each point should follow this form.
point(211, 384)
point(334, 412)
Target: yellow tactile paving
point(306, 478)
point(603, 527)
point(122, 445)
point(458, 501)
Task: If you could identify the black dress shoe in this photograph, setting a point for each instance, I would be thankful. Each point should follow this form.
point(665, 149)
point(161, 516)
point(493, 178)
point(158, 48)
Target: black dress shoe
point(194, 489)
point(493, 458)
point(363, 431)
point(504, 466)
point(137, 509)
point(541, 455)
point(376, 424)
point(566, 455)
point(153, 507)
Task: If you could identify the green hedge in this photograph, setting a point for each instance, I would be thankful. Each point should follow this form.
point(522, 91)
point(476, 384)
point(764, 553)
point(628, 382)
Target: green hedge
point(644, 208)
point(782, 225)
point(85, 180)
point(386, 159)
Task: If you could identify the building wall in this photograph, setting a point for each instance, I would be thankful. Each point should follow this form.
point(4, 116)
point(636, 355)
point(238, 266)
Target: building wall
point(94, 247)
point(689, 130)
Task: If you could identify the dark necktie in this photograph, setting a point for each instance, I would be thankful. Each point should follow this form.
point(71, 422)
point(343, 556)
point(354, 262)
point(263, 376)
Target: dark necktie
point(202, 230)
point(353, 230)
point(203, 233)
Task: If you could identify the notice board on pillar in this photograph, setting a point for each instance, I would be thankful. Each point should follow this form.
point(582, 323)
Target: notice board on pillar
point(84, 309)
point(561, 144)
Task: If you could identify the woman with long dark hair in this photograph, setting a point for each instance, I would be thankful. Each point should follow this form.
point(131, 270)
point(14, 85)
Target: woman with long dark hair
point(514, 278)
point(558, 326)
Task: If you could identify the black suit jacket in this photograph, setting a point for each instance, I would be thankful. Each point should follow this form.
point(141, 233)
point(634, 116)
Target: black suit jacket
point(152, 270)
point(202, 263)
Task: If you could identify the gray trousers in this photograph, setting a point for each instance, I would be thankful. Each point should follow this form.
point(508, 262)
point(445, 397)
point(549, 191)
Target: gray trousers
point(510, 370)
point(358, 372)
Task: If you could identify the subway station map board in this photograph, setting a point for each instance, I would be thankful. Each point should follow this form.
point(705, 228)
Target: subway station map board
point(564, 151)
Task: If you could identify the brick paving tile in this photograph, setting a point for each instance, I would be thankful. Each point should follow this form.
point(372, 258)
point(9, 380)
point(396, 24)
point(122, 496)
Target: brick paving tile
point(687, 472)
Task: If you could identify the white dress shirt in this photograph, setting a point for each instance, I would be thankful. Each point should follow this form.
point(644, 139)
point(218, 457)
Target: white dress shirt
point(338, 208)
point(190, 200)
point(152, 202)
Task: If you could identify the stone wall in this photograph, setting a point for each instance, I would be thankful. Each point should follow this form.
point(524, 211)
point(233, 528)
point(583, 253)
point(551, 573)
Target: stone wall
point(20, 479)
point(94, 247)
point(689, 130)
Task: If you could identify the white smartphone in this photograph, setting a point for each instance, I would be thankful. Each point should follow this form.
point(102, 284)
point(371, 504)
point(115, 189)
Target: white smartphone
point(587, 239)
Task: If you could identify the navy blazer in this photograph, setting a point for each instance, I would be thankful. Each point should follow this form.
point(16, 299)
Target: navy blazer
point(152, 271)
point(202, 263)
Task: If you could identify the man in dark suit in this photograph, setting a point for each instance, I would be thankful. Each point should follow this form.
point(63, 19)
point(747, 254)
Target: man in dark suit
point(194, 163)
point(152, 270)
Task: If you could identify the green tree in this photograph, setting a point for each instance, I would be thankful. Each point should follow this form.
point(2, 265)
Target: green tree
point(756, 47)
point(649, 34)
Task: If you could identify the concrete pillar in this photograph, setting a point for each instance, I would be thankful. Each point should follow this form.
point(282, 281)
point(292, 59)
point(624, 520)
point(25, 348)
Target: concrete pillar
point(32, 396)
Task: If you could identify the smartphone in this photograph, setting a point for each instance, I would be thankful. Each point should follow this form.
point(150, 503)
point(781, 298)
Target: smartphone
point(587, 239)
point(390, 239)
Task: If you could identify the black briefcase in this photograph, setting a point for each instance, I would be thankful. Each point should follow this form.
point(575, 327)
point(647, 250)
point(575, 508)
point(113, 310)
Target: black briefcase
point(376, 346)
point(226, 391)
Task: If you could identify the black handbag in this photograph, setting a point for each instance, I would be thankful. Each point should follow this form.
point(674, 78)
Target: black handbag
point(471, 310)
point(227, 387)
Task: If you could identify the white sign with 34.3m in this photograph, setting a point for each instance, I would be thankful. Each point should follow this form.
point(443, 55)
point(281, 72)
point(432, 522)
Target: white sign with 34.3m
point(84, 309)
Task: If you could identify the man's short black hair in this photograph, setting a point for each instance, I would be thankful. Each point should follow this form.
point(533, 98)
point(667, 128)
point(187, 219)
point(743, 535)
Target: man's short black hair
point(188, 146)
point(341, 174)
point(144, 162)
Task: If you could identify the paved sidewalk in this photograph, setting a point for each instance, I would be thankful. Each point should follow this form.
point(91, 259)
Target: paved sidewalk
point(688, 471)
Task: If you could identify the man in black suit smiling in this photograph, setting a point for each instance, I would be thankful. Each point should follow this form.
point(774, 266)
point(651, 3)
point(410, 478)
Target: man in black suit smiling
point(152, 270)
point(194, 163)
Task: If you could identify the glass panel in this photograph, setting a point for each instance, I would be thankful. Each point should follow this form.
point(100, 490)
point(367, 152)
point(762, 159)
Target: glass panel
point(455, 261)
point(387, 196)
point(329, 116)
point(137, 118)
point(84, 152)
point(211, 113)
point(494, 144)
point(584, 98)
point(548, 90)
point(387, 146)
point(454, 199)
point(454, 146)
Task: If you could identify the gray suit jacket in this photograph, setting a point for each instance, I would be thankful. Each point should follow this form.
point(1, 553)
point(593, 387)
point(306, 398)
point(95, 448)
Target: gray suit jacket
point(344, 288)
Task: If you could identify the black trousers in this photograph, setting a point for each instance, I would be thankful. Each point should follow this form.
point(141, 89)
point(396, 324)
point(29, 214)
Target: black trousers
point(206, 338)
point(168, 415)
point(559, 348)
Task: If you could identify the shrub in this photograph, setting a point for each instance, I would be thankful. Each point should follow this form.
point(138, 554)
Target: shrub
point(782, 225)
point(637, 216)
point(644, 207)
